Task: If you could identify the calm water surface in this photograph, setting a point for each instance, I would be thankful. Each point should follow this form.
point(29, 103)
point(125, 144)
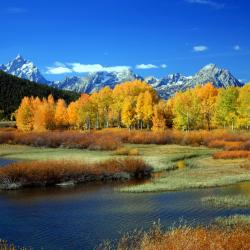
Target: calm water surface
point(83, 216)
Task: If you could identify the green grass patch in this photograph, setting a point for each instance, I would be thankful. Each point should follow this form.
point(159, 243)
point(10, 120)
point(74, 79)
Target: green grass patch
point(201, 172)
point(233, 220)
point(227, 201)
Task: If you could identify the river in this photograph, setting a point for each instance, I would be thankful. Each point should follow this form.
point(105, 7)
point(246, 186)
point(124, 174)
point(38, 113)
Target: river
point(81, 217)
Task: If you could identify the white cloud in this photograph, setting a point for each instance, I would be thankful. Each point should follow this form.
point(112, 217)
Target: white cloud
point(164, 66)
point(146, 66)
point(211, 3)
point(58, 68)
point(237, 47)
point(61, 68)
point(200, 48)
point(91, 68)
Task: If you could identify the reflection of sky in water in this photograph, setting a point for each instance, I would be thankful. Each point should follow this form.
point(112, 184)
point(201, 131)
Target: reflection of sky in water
point(80, 217)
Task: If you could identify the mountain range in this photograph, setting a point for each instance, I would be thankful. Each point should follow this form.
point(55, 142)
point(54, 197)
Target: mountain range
point(92, 82)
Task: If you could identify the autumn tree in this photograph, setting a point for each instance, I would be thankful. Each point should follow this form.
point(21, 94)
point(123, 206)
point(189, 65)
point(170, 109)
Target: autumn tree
point(159, 120)
point(147, 108)
point(105, 99)
point(139, 110)
point(72, 114)
point(186, 110)
point(128, 113)
point(207, 95)
point(25, 115)
point(226, 107)
point(61, 119)
point(84, 116)
point(243, 120)
point(44, 117)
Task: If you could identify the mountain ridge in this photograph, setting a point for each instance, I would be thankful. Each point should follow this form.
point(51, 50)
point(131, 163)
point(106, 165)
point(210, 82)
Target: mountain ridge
point(165, 87)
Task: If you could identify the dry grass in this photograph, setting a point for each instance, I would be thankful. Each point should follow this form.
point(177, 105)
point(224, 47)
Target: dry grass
point(231, 154)
point(46, 173)
point(112, 139)
point(228, 201)
point(234, 220)
point(69, 139)
point(4, 245)
point(245, 165)
point(185, 238)
point(127, 151)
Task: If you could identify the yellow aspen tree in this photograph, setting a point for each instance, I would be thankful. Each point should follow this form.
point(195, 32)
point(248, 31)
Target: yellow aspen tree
point(159, 120)
point(243, 120)
point(61, 114)
point(44, 117)
point(186, 110)
point(148, 108)
point(226, 112)
point(83, 117)
point(128, 113)
point(72, 112)
point(50, 120)
point(207, 99)
point(139, 110)
point(25, 115)
point(105, 101)
point(40, 116)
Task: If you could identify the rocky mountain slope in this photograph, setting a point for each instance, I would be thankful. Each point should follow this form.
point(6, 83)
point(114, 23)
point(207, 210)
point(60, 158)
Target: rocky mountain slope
point(92, 82)
point(24, 69)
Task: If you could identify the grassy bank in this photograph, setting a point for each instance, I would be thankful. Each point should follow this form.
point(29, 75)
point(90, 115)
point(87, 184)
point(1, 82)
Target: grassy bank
point(160, 157)
point(201, 172)
point(50, 173)
point(227, 201)
point(184, 238)
point(197, 168)
point(232, 221)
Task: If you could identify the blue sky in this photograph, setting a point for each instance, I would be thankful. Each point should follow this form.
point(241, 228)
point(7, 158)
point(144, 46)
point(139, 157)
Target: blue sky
point(153, 37)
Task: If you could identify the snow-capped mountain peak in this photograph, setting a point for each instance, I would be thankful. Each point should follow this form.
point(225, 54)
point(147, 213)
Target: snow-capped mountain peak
point(25, 69)
point(165, 87)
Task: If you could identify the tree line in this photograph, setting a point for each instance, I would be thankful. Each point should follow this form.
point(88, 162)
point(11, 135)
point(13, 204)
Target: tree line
point(14, 89)
point(136, 105)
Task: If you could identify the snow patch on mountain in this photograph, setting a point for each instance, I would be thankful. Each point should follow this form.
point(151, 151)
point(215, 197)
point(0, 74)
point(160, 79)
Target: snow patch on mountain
point(25, 69)
point(165, 87)
point(95, 81)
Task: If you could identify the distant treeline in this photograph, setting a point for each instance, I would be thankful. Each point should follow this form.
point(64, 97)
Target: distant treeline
point(14, 89)
point(136, 105)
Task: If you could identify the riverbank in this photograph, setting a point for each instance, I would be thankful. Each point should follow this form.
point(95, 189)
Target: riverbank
point(184, 238)
point(194, 167)
point(68, 173)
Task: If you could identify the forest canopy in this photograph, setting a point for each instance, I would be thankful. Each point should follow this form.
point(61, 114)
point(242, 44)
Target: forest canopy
point(136, 105)
point(14, 89)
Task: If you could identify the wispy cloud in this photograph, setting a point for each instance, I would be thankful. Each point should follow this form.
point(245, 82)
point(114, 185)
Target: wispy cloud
point(200, 48)
point(91, 68)
point(15, 10)
point(237, 47)
point(146, 66)
point(60, 68)
point(211, 3)
point(150, 66)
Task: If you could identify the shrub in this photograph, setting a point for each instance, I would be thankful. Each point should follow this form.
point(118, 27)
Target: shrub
point(112, 139)
point(45, 173)
point(184, 238)
point(231, 154)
